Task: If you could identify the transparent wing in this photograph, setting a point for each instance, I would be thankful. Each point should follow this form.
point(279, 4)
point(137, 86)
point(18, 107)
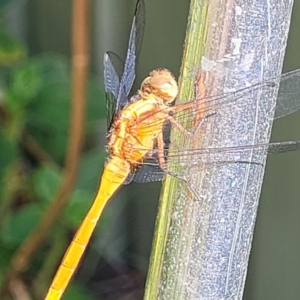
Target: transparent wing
point(134, 46)
point(118, 78)
point(150, 170)
point(113, 68)
point(288, 101)
point(140, 13)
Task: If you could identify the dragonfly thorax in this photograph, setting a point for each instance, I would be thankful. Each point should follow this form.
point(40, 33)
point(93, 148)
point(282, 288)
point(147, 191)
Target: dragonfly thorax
point(162, 84)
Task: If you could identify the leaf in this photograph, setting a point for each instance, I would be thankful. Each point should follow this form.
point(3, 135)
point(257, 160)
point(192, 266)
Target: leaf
point(19, 225)
point(53, 68)
point(89, 173)
point(90, 170)
point(49, 118)
point(48, 115)
point(26, 81)
point(29, 78)
point(5, 257)
point(46, 182)
point(77, 207)
point(76, 292)
point(8, 152)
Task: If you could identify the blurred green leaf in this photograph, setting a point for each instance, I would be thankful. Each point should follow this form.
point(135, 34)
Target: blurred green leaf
point(74, 292)
point(53, 68)
point(43, 85)
point(26, 81)
point(16, 228)
point(30, 77)
point(5, 258)
point(10, 49)
point(90, 170)
point(49, 116)
point(46, 182)
point(8, 152)
point(77, 207)
point(8, 157)
point(90, 173)
point(48, 119)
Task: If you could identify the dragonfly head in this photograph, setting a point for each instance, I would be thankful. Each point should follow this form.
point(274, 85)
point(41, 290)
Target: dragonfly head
point(161, 83)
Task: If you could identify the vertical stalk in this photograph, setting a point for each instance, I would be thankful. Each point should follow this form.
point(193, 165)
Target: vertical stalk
point(202, 244)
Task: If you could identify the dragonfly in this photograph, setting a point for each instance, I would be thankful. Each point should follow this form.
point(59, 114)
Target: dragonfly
point(137, 144)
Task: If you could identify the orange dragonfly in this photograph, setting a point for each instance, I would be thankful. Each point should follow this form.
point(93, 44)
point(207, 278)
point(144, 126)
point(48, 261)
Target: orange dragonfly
point(137, 145)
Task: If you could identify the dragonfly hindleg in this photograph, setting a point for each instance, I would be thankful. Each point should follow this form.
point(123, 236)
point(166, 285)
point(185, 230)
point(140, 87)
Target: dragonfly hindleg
point(160, 146)
point(186, 182)
point(194, 131)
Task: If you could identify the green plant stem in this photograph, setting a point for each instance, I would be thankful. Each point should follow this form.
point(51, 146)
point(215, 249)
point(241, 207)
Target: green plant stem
point(194, 48)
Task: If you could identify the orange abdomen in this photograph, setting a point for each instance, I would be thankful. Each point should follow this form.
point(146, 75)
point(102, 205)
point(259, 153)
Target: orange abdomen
point(114, 174)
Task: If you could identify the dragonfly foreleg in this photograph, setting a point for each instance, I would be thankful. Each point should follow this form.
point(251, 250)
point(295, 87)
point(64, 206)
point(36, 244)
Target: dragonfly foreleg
point(184, 130)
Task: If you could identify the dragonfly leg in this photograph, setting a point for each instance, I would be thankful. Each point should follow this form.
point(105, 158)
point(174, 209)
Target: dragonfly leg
point(186, 182)
point(184, 130)
point(160, 146)
point(150, 153)
point(200, 85)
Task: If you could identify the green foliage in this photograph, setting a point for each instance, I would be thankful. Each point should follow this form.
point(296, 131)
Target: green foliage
point(88, 179)
point(9, 153)
point(90, 167)
point(26, 82)
point(77, 293)
point(20, 224)
point(78, 206)
point(48, 113)
point(46, 182)
point(36, 104)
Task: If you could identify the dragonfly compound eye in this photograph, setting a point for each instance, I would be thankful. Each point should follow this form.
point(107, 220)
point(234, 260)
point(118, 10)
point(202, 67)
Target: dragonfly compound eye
point(163, 84)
